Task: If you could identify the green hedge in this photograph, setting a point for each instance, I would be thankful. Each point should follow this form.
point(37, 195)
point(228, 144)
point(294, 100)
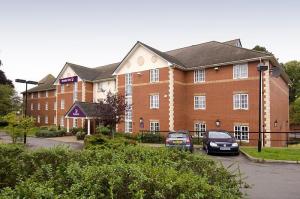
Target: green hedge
point(151, 138)
point(48, 133)
point(112, 171)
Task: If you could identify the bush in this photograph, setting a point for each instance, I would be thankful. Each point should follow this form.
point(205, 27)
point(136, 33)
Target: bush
point(151, 138)
point(103, 130)
point(112, 172)
point(80, 135)
point(52, 128)
point(75, 130)
point(48, 133)
point(43, 127)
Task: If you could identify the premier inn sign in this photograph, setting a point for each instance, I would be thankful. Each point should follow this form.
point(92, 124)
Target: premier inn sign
point(68, 80)
point(76, 112)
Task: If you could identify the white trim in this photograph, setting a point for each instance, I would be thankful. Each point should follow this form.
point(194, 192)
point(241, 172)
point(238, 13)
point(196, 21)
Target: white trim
point(200, 98)
point(171, 99)
point(266, 105)
point(241, 125)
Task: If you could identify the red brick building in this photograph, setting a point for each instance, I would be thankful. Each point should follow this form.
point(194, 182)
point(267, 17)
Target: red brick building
point(212, 85)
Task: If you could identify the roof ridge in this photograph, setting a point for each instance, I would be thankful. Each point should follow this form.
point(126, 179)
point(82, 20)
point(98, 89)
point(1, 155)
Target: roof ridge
point(189, 46)
point(269, 54)
point(69, 63)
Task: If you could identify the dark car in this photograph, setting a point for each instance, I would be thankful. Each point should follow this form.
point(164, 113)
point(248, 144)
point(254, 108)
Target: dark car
point(220, 142)
point(180, 140)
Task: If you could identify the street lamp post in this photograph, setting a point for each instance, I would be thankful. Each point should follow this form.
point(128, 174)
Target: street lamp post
point(26, 82)
point(260, 68)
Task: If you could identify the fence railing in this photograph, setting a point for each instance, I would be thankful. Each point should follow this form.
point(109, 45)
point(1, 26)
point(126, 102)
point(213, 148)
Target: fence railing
point(280, 139)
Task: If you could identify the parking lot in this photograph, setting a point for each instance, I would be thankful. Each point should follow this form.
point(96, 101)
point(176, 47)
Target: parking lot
point(267, 180)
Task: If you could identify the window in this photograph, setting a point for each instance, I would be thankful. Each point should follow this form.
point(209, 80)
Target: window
point(62, 88)
point(154, 126)
point(39, 94)
point(54, 120)
point(46, 94)
point(200, 102)
point(31, 95)
point(38, 119)
point(100, 87)
point(39, 106)
point(55, 93)
point(46, 119)
point(154, 101)
point(199, 128)
point(199, 76)
point(75, 123)
point(240, 101)
point(128, 84)
point(241, 132)
point(154, 75)
point(62, 121)
point(240, 71)
point(62, 104)
point(55, 105)
point(46, 106)
point(128, 126)
point(31, 106)
point(75, 89)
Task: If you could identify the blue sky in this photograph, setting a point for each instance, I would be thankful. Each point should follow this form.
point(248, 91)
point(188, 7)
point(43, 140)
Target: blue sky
point(38, 37)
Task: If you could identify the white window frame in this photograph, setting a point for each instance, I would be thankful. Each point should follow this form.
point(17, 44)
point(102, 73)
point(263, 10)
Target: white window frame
point(31, 106)
point(240, 132)
point(154, 75)
point(75, 123)
point(199, 76)
point(31, 95)
point(239, 102)
point(62, 121)
point(39, 106)
point(62, 104)
point(199, 127)
point(199, 102)
point(128, 126)
point(154, 126)
point(55, 106)
point(46, 119)
point(39, 94)
point(240, 71)
point(54, 120)
point(75, 91)
point(46, 94)
point(38, 119)
point(46, 106)
point(62, 88)
point(154, 101)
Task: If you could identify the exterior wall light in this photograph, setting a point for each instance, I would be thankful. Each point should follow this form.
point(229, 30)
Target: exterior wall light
point(141, 122)
point(275, 123)
point(218, 123)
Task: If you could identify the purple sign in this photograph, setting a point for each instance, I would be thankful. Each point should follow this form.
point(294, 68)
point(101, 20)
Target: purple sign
point(76, 112)
point(68, 80)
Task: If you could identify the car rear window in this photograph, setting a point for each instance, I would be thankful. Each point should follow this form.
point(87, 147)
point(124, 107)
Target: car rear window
point(177, 135)
point(218, 134)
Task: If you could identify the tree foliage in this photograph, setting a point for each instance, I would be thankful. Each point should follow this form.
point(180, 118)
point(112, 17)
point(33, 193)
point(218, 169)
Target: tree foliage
point(112, 110)
point(292, 68)
point(9, 100)
point(260, 48)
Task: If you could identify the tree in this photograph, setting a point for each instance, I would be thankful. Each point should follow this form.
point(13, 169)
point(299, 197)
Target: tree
point(112, 110)
point(260, 48)
point(9, 100)
point(292, 68)
point(18, 125)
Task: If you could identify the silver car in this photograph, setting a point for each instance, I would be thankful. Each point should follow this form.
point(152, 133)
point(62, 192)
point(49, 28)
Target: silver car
point(180, 140)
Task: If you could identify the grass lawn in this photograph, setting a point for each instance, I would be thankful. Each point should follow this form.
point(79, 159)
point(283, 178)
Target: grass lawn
point(274, 153)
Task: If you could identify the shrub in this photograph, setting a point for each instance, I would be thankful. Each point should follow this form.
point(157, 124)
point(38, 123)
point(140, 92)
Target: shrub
point(114, 171)
point(48, 133)
point(52, 128)
point(103, 130)
point(74, 130)
point(80, 135)
point(43, 127)
point(151, 138)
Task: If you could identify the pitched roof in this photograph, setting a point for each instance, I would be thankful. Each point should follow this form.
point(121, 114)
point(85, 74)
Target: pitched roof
point(234, 42)
point(44, 84)
point(213, 52)
point(105, 72)
point(89, 109)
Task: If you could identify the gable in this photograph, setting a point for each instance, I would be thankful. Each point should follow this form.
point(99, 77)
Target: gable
point(140, 59)
point(67, 71)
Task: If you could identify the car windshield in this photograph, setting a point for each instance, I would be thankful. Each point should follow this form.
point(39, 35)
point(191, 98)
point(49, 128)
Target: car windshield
point(218, 134)
point(177, 135)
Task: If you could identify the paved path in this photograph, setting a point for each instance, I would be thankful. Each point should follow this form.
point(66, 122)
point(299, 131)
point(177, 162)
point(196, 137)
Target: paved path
point(267, 180)
point(34, 142)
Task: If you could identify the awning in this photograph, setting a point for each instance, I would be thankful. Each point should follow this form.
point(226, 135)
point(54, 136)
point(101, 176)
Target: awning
point(83, 110)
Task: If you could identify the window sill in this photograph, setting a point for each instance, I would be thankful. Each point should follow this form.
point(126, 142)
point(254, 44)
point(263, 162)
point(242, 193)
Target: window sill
point(199, 82)
point(199, 109)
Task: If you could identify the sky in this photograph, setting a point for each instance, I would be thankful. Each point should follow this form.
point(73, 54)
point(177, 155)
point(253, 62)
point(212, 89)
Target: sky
point(38, 37)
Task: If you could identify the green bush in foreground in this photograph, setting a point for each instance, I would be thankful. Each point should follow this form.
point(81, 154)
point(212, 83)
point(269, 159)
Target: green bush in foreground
point(48, 133)
point(112, 171)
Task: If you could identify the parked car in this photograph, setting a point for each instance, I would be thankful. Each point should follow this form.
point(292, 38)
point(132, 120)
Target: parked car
point(180, 140)
point(220, 142)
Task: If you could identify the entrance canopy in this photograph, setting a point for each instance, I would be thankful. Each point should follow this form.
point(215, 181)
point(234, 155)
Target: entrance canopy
point(85, 110)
